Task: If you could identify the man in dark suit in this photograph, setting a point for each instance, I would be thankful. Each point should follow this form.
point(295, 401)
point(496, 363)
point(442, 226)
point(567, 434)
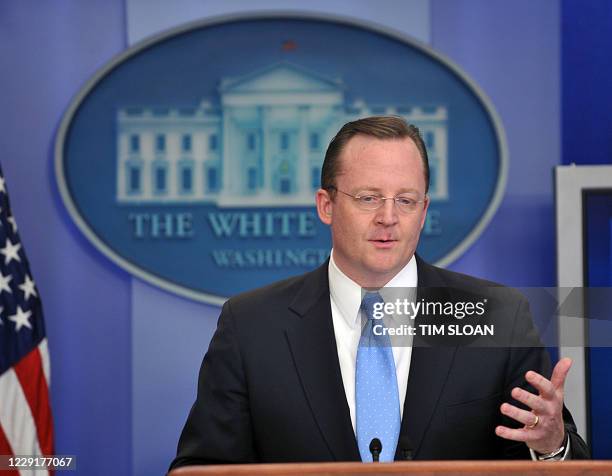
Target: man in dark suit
point(288, 376)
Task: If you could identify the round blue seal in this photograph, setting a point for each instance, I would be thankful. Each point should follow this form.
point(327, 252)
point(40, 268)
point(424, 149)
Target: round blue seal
point(192, 159)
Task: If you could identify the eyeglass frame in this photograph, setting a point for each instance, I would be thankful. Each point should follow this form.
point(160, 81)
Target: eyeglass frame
point(382, 199)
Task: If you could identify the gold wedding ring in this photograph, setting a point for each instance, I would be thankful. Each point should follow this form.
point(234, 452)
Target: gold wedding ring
point(534, 424)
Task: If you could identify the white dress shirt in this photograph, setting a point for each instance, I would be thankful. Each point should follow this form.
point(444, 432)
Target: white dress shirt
point(345, 297)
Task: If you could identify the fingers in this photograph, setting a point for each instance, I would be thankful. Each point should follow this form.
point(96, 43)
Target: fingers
point(534, 402)
point(560, 372)
point(546, 388)
point(520, 434)
point(547, 430)
point(542, 441)
point(541, 384)
point(522, 416)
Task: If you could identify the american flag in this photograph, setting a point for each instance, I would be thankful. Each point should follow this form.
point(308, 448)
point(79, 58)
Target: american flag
point(26, 426)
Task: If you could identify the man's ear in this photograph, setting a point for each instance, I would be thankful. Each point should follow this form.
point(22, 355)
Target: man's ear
point(324, 206)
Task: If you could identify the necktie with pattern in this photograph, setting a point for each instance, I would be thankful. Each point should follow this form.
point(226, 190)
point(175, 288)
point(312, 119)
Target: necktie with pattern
point(376, 393)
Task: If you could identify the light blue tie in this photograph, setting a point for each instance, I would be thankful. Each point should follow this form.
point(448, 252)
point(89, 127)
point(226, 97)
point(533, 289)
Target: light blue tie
point(376, 394)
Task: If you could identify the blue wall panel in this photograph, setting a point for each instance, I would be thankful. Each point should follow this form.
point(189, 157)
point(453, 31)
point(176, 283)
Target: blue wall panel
point(520, 74)
point(587, 76)
point(598, 273)
point(47, 51)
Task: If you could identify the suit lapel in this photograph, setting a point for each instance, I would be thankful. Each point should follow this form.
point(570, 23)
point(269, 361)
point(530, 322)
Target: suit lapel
point(429, 369)
point(313, 346)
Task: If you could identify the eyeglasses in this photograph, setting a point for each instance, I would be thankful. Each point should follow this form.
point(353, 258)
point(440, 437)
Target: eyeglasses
point(370, 201)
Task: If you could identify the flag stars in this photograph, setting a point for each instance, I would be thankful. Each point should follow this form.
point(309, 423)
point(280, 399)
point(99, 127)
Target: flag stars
point(21, 319)
point(11, 220)
point(2, 186)
point(4, 283)
point(10, 251)
point(28, 288)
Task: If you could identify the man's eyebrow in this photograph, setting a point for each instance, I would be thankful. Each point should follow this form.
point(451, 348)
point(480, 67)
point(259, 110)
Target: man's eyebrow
point(367, 189)
point(408, 190)
point(379, 190)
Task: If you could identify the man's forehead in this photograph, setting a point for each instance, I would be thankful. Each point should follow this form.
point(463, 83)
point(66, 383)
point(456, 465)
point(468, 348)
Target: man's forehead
point(360, 144)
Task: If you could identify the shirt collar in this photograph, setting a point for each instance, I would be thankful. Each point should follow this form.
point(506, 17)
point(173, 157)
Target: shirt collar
point(346, 293)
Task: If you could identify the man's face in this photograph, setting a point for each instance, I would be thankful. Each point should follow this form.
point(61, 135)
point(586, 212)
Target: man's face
point(372, 246)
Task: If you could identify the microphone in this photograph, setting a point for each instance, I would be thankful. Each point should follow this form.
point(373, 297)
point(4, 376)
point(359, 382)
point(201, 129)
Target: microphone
point(375, 449)
point(406, 453)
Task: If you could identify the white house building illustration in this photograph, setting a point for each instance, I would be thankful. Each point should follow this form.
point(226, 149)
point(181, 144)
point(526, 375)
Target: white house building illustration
point(262, 146)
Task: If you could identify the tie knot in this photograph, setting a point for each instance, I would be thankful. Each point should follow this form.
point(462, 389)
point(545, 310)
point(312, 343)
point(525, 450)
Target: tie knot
point(368, 302)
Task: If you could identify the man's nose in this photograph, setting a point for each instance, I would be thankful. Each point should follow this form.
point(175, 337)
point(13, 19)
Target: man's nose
point(387, 214)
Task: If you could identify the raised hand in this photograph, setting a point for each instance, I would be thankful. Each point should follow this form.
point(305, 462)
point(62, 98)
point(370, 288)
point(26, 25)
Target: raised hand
point(543, 429)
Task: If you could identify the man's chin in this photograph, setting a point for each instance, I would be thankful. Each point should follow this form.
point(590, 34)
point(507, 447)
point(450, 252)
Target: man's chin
point(386, 269)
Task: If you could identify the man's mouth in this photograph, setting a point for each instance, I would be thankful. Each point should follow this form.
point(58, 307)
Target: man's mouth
point(383, 242)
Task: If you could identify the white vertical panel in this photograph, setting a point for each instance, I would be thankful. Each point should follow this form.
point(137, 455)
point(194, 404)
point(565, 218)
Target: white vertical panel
point(571, 181)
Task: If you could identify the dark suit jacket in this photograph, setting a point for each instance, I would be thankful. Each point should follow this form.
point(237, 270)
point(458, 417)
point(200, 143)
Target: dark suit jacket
point(270, 387)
